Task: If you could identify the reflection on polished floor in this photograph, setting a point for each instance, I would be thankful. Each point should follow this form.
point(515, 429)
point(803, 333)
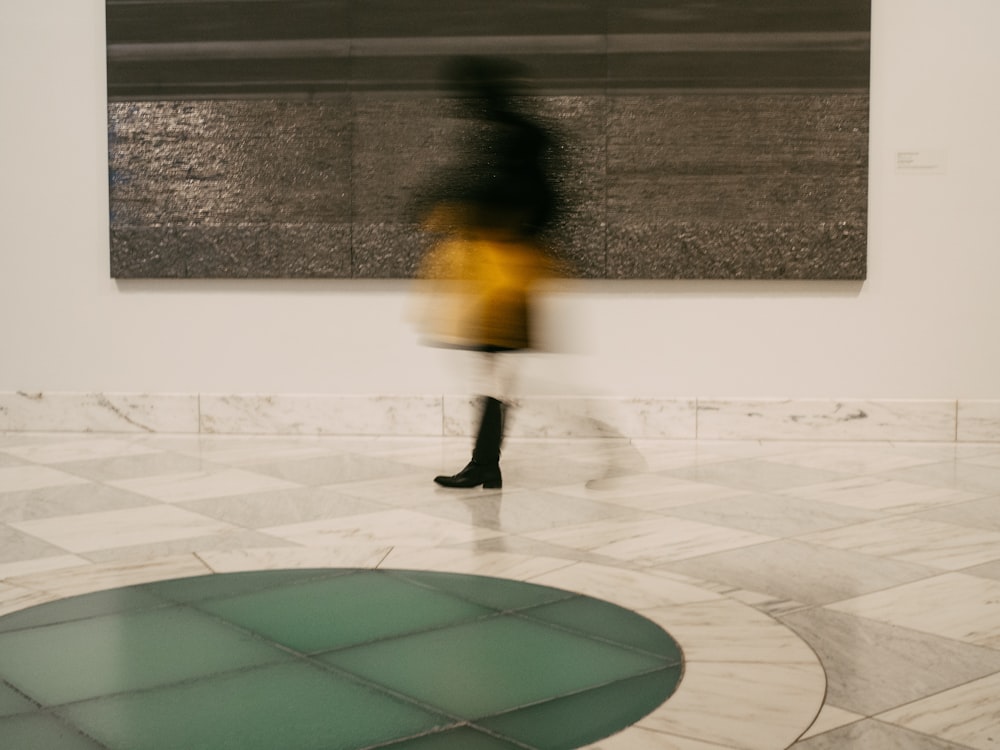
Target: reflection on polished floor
point(825, 595)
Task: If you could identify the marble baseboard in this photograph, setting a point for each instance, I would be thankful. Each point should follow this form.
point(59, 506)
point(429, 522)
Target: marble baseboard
point(808, 419)
point(98, 412)
point(321, 415)
point(582, 417)
point(533, 417)
point(978, 421)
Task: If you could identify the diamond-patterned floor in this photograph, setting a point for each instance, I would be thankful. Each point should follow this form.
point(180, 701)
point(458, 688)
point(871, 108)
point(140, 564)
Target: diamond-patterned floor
point(825, 595)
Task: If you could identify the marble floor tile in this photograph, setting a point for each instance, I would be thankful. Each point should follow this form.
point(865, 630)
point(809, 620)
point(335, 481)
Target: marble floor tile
point(28, 566)
point(830, 718)
point(535, 473)
point(930, 543)
point(651, 541)
point(277, 451)
point(989, 570)
point(801, 572)
point(886, 495)
point(874, 735)
point(179, 488)
point(389, 528)
point(958, 475)
point(532, 547)
point(948, 451)
point(388, 444)
point(660, 455)
point(715, 707)
point(494, 564)
point(273, 558)
point(723, 630)
point(988, 459)
point(645, 491)
point(965, 608)
point(336, 469)
point(432, 459)
point(639, 738)
point(772, 515)
point(239, 450)
point(854, 459)
point(872, 666)
point(10, 439)
point(78, 450)
point(524, 511)
point(169, 441)
point(968, 715)
point(633, 589)
point(759, 475)
point(89, 532)
point(88, 578)
point(614, 460)
point(7, 461)
point(773, 606)
point(66, 500)
point(146, 464)
point(257, 510)
point(405, 491)
point(545, 451)
point(753, 449)
point(230, 539)
point(17, 545)
point(635, 459)
point(975, 514)
point(31, 477)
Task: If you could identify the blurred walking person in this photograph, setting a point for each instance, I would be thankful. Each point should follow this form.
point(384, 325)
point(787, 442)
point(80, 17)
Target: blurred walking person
point(482, 275)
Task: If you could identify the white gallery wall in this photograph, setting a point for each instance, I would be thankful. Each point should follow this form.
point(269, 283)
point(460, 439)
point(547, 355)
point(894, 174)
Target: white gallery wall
point(922, 326)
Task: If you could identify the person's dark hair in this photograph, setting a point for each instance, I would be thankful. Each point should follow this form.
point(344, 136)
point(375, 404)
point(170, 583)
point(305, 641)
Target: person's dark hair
point(493, 82)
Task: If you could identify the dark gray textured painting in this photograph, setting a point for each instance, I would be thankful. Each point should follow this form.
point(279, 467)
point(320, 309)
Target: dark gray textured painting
point(718, 139)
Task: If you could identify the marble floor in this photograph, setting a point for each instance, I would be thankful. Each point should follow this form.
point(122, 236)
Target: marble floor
point(825, 595)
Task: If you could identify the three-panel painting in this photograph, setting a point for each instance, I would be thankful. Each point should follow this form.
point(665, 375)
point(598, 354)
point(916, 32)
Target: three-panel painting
point(692, 139)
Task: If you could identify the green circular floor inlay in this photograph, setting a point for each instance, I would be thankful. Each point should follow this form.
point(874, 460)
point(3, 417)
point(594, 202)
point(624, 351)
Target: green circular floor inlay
point(338, 659)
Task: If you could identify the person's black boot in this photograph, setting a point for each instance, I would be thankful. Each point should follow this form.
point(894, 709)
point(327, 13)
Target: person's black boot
point(473, 475)
point(484, 468)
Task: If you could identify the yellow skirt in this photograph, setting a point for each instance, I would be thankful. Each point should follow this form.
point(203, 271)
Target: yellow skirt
point(477, 293)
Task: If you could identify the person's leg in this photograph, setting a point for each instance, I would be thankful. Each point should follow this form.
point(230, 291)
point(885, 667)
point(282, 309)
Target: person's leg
point(495, 380)
point(484, 468)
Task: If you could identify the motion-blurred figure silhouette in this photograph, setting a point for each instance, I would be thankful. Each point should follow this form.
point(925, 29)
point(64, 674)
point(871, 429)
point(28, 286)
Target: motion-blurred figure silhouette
point(490, 215)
